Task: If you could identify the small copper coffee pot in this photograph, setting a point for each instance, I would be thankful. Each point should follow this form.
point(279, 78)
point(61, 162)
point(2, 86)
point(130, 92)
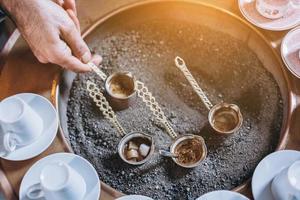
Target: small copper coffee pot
point(224, 118)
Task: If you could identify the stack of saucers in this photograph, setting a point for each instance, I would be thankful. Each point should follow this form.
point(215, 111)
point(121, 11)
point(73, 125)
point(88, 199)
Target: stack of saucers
point(277, 177)
point(290, 51)
point(28, 126)
point(274, 15)
point(222, 195)
point(278, 15)
point(61, 176)
point(134, 197)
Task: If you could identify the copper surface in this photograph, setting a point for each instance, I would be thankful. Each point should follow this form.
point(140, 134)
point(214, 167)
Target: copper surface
point(21, 72)
point(250, 35)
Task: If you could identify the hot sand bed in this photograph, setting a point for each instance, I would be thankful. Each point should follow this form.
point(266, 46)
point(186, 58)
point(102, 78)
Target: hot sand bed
point(226, 69)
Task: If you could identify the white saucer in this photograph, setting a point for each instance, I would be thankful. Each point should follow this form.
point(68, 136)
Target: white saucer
point(267, 169)
point(247, 8)
point(290, 47)
point(82, 166)
point(222, 195)
point(47, 112)
point(134, 197)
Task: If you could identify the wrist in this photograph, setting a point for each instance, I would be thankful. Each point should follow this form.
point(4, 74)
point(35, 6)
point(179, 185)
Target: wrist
point(12, 9)
point(7, 6)
point(4, 4)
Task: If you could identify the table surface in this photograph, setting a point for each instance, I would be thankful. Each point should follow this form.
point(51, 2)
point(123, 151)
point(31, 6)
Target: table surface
point(21, 72)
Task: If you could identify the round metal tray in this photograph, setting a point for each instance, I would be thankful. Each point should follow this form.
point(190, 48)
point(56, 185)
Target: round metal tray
point(193, 11)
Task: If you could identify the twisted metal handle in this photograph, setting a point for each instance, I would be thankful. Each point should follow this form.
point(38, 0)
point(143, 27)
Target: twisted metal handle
point(99, 72)
point(181, 65)
point(142, 91)
point(149, 99)
point(104, 106)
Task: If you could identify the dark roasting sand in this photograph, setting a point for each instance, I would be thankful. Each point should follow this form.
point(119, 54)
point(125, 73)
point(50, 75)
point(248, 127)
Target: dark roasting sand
point(226, 69)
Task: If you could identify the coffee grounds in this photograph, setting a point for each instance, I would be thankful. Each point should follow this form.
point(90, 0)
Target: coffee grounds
point(121, 86)
point(119, 91)
point(189, 151)
point(226, 69)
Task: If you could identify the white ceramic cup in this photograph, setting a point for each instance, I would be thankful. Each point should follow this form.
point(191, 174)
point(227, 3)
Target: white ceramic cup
point(58, 181)
point(274, 9)
point(286, 185)
point(20, 124)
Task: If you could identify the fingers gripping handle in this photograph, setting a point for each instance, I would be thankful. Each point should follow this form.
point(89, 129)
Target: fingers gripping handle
point(181, 65)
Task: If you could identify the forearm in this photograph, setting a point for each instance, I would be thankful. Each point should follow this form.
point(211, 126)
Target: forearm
point(17, 10)
point(11, 7)
point(7, 5)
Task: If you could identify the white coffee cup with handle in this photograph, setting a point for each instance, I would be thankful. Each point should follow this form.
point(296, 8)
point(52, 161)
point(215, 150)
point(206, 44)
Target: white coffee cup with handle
point(58, 181)
point(20, 124)
point(286, 185)
point(274, 9)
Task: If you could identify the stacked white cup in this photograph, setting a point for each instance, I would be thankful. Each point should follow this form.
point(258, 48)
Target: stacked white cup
point(20, 124)
point(58, 181)
point(274, 9)
point(286, 185)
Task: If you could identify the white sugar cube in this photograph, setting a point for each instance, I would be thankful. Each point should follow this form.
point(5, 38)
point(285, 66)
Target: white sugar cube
point(144, 150)
point(132, 154)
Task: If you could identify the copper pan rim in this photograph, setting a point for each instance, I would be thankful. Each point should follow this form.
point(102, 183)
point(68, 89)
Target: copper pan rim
point(289, 104)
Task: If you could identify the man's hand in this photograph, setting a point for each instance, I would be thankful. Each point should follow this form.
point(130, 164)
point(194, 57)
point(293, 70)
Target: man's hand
point(51, 31)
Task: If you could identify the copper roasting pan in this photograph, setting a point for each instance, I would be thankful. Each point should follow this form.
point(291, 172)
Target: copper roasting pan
point(179, 9)
point(259, 41)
